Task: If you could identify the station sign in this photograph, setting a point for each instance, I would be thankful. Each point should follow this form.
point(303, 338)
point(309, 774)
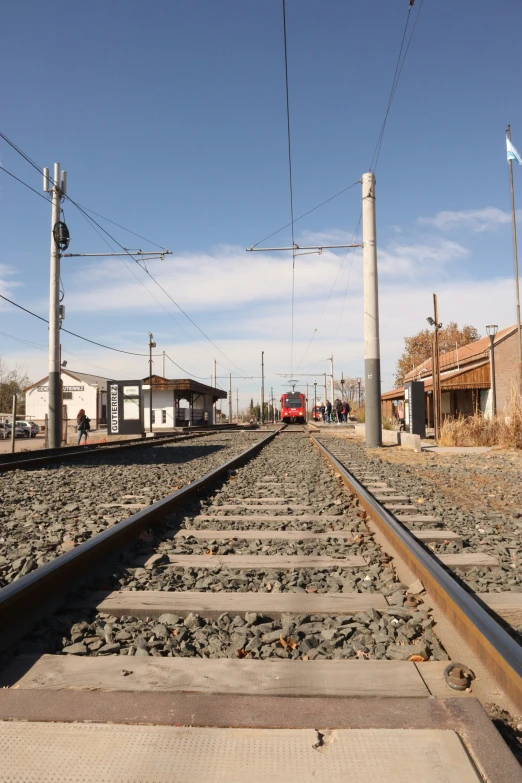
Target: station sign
point(124, 408)
point(65, 388)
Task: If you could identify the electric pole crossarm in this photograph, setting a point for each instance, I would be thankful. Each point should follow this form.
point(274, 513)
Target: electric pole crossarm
point(320, 248)
point(148, 253)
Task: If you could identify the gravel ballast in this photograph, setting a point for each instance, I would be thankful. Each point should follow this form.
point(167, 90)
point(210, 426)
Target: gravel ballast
point(478, 496)
point(45, 512)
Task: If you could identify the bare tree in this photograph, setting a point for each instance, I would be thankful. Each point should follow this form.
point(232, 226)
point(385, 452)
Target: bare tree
point(12, 381)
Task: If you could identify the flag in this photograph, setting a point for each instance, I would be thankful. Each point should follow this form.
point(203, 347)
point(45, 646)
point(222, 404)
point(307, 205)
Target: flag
point(512, 154)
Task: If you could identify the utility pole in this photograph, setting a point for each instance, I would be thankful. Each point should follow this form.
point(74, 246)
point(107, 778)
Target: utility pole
point(163, 365)
point(325, 389)
point(59, 241)
point(262, 387)
point(515, 255)
point(306, 407)
point(152, 345)
point(237, 405)
point(435, 362)
point(13, 428)
point(342, 386)
point(214, 408)
point(372, 355)
point(230, 398)
point(331, 381)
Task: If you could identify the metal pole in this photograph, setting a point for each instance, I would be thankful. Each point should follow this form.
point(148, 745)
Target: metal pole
point(515, 253)
point(332, 381)
point(214, 407)
point(163, 365)
point(152, 345)
point(230, 398)
point(13, 425)
point(315, 395)
point(372, 358)
point(262, 387)
point(434, 384)
point(237, 405)
point(55, 411)
point(325, 389)
point(437, 384)
point(306, 404)
point(493, 378)
point(272, 403)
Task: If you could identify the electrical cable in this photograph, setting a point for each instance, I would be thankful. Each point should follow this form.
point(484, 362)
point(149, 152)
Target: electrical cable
point(290, 183)
point(198, 377)
point(2, 168)
point(79, 336)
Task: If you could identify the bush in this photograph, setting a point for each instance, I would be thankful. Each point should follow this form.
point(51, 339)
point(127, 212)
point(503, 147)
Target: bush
point(504, 429)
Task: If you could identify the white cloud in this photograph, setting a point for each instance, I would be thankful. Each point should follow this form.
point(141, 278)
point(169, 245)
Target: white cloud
point(476, 220)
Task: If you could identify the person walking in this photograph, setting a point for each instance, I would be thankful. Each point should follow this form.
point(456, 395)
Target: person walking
point(339, 411)
point(323, 413)
point(328, 411)
point(84, 425)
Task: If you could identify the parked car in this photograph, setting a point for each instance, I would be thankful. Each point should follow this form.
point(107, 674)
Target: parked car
point(21, 431)
point(33, 427)
point(4, 431)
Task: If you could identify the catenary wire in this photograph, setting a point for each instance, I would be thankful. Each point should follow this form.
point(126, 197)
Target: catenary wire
point(290, 183)
point(79, 336)
point(2, 168)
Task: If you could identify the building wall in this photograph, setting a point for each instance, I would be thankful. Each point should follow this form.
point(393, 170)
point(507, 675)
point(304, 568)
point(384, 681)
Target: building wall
point(37, 400)
point(163, 407)
point(506, 369)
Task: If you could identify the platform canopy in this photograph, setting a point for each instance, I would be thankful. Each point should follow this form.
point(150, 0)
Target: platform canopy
point(185, 385)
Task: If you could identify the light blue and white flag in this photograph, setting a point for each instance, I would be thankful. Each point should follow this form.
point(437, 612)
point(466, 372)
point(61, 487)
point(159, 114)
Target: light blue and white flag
point(512, 154)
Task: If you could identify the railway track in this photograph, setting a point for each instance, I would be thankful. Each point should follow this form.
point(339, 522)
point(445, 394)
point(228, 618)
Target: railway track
point(266, 620)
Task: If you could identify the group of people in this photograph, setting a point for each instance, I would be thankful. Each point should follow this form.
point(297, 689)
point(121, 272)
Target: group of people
point(338, 412)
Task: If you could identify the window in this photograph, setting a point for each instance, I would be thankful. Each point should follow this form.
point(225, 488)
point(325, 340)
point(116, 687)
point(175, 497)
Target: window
point(163, 416)
point(154, 417)
point(67, 395)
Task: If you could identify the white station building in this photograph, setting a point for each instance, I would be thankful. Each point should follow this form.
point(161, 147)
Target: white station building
point(80, 390)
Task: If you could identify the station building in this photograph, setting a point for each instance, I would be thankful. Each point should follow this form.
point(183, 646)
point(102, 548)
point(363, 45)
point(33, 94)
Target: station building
point(179, 403)
point(79, 390)
point(465, 376)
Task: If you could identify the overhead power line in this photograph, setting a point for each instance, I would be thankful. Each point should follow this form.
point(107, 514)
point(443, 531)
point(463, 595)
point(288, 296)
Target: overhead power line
point(79, 336)
point(2, 168)
point(290, 182)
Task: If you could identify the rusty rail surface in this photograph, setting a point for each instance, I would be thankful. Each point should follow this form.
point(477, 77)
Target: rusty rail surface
point(498, 651)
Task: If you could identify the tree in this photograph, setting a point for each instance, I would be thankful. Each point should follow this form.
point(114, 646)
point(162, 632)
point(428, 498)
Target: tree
point(12, 382)
point(419, 347)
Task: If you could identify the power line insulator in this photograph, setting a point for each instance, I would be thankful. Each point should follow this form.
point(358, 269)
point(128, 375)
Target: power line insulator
point(61, 235)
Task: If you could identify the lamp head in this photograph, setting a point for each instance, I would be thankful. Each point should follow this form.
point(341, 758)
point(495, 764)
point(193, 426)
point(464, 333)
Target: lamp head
point(492, 329)
point(430, 321)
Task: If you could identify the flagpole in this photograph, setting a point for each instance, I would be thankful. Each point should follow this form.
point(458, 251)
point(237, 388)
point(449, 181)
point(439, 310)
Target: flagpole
point(515, 252)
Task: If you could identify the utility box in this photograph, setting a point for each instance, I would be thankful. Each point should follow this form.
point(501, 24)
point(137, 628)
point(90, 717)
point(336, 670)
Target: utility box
point(124, 408)
point(415, 408)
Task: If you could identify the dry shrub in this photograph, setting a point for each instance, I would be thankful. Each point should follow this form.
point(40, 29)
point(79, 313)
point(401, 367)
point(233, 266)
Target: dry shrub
point(504, 429)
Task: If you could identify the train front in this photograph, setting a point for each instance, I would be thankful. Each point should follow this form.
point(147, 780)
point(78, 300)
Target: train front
point(293, 409)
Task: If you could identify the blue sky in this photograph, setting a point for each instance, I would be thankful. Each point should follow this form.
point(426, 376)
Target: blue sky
point(170, 119)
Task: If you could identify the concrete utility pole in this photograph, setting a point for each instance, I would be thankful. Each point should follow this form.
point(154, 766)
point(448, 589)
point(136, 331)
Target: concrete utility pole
point(13, 429)
point(237, 405)
point(325, 398)
point(306, 405)
point(152, 345)
point(163, 365)
point(492, 330)
point(262, 387)
point(437, 393)
point(515, 255)
point(214, 408)
point(230, 398)
point(331, 380)
point(57, 189)
point(372, 355)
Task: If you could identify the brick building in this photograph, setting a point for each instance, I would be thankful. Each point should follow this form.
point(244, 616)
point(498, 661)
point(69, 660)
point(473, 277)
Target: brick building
point(465, 378)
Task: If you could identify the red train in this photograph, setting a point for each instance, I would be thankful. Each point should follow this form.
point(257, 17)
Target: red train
point(293, 408)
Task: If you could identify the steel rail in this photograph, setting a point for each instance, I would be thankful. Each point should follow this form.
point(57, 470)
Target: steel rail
point(21, 460)
point(24, 602)
point(497, 650)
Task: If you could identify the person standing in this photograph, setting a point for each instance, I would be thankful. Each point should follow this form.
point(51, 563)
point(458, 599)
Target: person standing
point(323, 413)
point(84, 425)
point(328, 411)
point(339, 411)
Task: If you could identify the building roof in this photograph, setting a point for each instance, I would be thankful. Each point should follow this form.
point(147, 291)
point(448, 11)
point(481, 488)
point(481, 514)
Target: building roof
point(185, 385)
point(476, 352)
point(86, 377)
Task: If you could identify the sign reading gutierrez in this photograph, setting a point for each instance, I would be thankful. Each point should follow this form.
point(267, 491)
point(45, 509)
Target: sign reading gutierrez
point(114, 408)
point(125, 408)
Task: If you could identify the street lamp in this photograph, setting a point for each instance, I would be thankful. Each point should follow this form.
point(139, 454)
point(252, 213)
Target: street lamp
point(492, 329)
point(152, 345)
point(315, 397)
